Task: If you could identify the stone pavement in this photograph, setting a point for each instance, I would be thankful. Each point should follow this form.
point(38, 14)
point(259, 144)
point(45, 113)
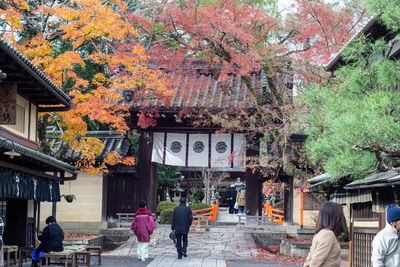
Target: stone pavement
point(206, 248)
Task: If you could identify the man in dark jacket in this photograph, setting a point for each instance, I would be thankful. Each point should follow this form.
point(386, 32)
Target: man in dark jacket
point(51, 238)
point(231, 196)
point(181, 222)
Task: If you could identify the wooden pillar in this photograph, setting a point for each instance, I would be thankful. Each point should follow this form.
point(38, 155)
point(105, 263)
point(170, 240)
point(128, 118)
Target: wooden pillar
point(288, 202)
point(104, 201)
point(54, 209)
point(146, 182)
point(54, 204)
point(252, 177)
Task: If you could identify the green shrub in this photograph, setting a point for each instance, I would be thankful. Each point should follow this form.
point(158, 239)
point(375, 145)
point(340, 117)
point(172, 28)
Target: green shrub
point(166, 216)
point(200, 206)
point(162, 205)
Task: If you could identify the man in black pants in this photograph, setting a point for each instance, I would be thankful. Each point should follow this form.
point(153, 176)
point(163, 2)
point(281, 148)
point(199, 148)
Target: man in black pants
point(181, 222)
point(232, 199)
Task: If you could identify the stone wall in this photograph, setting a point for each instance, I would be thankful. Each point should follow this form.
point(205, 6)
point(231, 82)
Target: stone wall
point(293, 249)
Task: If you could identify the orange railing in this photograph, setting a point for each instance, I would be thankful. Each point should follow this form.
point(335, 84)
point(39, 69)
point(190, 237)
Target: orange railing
point(274, 215)
point(210, 215)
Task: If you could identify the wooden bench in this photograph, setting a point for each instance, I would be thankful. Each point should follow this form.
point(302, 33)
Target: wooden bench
point(7, 251)
point(124, 219)
point(24, 253)
point(95, 251)
point(62, 258)
point(81, 258)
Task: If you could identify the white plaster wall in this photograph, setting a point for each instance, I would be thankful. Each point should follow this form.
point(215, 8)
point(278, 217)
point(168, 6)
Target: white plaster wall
point(88, 204)
point(310, 216)
point(25, 104)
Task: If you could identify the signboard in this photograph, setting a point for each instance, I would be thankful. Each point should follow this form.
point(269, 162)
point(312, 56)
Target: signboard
point(8, 103)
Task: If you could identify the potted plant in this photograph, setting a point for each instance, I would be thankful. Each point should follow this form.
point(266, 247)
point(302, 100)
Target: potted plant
point(69, 197)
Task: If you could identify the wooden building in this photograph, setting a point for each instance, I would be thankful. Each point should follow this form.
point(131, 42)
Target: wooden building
point(98, 198)
point(27, 176)
point(199, 91)
point(368, 197)
point(367, 200)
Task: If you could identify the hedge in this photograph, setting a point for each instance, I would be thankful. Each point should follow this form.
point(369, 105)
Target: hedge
point(162, 205)
point(166, 216)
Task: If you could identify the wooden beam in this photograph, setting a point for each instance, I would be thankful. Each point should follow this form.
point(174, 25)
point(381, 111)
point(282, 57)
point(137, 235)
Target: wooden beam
point(253, 180)
point(146, 181)
point(18, 139)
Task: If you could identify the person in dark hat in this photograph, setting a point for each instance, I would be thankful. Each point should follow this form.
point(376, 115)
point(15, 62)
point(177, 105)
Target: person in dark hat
point(386, 244)
point(50, 239)
point(181, 221)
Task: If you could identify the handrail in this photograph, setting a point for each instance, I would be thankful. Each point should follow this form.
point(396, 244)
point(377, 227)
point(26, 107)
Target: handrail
point(197, 211)
point(212, 214)
point(273, 213)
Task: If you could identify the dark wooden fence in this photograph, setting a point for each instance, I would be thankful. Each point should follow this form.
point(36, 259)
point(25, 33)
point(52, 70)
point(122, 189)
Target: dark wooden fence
point(362, 246)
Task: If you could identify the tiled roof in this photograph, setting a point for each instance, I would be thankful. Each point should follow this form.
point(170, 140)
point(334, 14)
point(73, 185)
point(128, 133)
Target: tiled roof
point(380, 179)
point(113, 141)
point(369, 25)
point(36, 155)
point(34, 71)
point(197, 90)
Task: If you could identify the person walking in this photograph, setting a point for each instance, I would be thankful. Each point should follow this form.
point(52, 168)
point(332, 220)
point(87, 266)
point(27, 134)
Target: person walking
point(143, 226)
point(231, 196)
point(181, 221)
point(386, 244)
point(50, 240)
point(241, 198)
point(325, 247)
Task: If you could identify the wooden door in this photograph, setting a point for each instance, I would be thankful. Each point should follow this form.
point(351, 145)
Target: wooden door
point(120, 194)
point(362, 246)
point(15, 222)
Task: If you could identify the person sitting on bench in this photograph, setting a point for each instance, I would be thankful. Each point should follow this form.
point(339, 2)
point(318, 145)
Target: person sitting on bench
point(50, 239)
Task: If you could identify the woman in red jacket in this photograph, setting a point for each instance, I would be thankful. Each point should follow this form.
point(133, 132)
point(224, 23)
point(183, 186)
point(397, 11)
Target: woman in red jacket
point(143, 226)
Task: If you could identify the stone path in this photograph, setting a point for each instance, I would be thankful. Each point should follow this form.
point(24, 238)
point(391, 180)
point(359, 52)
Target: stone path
point(206, 248)
point(227, 218)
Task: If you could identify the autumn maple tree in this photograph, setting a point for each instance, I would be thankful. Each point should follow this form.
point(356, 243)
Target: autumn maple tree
point(90, 50)
point(233, 38)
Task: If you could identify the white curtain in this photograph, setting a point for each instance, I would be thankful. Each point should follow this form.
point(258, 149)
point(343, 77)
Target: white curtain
point(195, 150)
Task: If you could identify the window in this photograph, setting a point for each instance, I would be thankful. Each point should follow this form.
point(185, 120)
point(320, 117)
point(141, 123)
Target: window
point(20, 119)
point(310, 202)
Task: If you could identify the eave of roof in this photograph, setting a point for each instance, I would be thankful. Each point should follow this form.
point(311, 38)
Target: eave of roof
point(381, 179)
point(112, 140)
point(37, 155)
point(338, 56)
point(27, 65)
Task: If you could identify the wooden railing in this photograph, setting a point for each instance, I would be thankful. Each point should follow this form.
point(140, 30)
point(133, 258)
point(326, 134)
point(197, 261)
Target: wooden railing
point(124, 219)
point(205, 215)
point(274, 215)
